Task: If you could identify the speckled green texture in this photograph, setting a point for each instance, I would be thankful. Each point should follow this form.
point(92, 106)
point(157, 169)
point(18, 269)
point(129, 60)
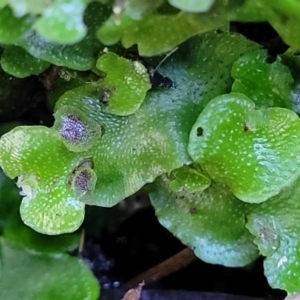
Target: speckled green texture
point(50, 205)
point(126, 82)
point(266, 84)
point(154, 34)
point(275, 226)
point(188, 179)
point(192, 5)
point(19, 63)
point(12, 28)
point(44, 276)
point(211, 222)
point(254, 152)
point(134, 150)
point(14, 230)
point(79, 56)
point(63, 21)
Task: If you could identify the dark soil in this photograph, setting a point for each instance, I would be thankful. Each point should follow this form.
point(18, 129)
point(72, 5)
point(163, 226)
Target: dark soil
point(140, 243)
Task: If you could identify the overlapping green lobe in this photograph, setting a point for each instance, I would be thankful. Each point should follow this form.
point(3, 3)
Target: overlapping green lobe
point(79, 56)
point(63, 21)
point(275, 226)
point(125, 84)
point(131, 151)
point(136, 149)
point(49, 204)
point(266, 84)
point(253, 151)
point(19, 63)
point(211, 222)
point(189, 179)
point(37, 265)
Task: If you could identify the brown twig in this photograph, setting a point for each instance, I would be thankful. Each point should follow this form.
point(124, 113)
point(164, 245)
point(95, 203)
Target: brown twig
point(81, 243)
point(167, 267)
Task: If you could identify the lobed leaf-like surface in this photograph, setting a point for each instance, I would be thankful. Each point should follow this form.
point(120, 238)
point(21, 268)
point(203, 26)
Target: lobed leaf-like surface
point(254, 152)
point(19, 63)
point(275, 226)
point(38, 156)
point(154, 34)
point(14, 230)
point(11, 27)
point(136, 149)
point(79, 56)
point(63, 21)
point(211, 222)
point(266, 84)
point(188, 179)
point(125, 84)
point(131, 151)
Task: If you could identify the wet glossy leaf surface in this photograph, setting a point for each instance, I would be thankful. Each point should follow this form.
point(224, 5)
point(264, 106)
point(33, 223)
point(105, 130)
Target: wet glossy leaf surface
point(275, 226)
point(184, 24)
point(125, 84)
point(253, 151)
point(266, 84)
point(19, 63)
point(211, 222)
point(189, 179)
point(50, 205)
point(136, 149)
point(81, 56)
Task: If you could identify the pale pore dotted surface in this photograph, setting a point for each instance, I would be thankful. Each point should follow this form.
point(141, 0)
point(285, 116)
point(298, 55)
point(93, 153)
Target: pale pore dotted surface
point(130, 81)
point(212, 223)
point(266, 84)
point(47, 207)
point(279, 218)
point(133, 150)
point(254, 152)
point(80, 56)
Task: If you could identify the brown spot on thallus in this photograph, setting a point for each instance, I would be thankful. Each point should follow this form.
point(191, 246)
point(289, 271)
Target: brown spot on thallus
point(246, 128)
point(106, 94)
point(193, 210)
